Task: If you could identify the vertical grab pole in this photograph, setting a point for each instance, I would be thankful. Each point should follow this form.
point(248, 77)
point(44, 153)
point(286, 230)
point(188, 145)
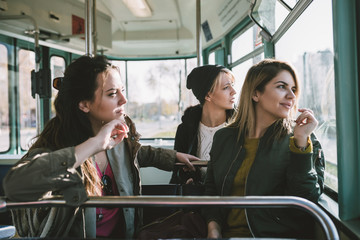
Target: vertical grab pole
point(198, 33)
point(39, 120)
point(94, 31)
point(88, 28)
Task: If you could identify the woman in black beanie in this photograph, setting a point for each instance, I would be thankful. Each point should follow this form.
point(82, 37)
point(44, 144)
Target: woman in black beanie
point(212, 85)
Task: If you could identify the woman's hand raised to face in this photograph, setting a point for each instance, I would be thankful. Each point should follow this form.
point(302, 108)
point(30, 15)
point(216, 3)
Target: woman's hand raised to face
point(112, 133)
point(305, 125)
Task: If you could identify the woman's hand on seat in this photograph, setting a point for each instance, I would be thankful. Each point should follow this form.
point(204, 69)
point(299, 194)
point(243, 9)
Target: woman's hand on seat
point(186, 159)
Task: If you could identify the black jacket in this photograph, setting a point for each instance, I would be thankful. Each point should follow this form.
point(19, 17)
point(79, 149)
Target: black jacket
point(186, 141)
point(276, 171)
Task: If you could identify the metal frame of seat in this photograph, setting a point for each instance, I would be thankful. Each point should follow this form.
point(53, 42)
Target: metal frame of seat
point(322, 218)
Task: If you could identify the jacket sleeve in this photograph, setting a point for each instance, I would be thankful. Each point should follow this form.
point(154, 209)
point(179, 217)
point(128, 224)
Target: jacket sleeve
point(161, 158)
point(40, 172)
point(303, 179)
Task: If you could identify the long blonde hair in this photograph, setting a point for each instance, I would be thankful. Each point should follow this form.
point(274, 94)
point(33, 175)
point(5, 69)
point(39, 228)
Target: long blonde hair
point(256, 79)
point(219, 76)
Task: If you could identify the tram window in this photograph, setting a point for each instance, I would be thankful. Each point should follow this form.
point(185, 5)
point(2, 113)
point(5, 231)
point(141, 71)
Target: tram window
point(240, 73)
point(187, 97)
point(57, 65)
point(27, 103)
point(153, 96)
point(271, 14)
point(122, 66)
point(212, 58)
point(4, 100)
point(313, 55)
point(246, 43)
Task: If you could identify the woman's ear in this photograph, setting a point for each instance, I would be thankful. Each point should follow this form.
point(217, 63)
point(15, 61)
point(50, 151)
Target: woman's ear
point(208, 98)
point(255, 97)
point(84, 106)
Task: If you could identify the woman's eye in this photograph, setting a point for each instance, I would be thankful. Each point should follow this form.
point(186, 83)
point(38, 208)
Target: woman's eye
point(112, 94)
point(281, 86)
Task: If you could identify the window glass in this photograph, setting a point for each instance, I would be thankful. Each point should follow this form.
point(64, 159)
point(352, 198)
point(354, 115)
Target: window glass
point(313, 57)
point(27, 103)
point(240, 73)
point(270, 14)
point(246, 43)
point(212, 58)
point(4, 100)
point(57, 65)
point(156, 95)
point(187, 97)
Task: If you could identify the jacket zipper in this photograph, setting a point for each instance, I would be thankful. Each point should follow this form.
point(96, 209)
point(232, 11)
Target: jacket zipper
point(232, 163)
point(246, 216)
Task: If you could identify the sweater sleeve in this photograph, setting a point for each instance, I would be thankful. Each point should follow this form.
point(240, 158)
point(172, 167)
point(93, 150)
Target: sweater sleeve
point(295, 149)
point(41, 172)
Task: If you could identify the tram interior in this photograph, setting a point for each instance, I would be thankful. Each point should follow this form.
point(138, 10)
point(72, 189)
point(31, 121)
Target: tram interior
point(153, 29)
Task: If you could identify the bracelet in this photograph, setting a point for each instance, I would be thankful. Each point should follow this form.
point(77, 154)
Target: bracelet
point(302, 148)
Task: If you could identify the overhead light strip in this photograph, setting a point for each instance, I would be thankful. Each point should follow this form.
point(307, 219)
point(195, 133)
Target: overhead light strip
point(139, 8)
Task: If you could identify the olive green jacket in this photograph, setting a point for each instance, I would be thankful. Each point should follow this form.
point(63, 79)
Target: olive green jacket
point(276, 171)
point(42, 173)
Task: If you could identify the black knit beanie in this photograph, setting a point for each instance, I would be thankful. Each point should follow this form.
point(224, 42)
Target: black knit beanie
point(201, 79)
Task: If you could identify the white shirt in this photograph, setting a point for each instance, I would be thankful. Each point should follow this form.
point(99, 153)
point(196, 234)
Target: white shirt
point(205, 140)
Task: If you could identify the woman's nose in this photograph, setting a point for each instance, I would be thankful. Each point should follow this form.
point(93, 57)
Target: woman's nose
point(233, 91)
point(291, 94)
point(122, 99)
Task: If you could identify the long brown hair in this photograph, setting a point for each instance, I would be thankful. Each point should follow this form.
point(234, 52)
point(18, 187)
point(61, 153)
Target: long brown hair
point(71, 126)
point(256, 79)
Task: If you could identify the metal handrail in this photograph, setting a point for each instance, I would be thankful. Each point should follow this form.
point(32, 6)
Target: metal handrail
point(324, 220)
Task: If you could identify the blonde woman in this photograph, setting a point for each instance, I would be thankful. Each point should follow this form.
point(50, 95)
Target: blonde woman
point(265, 152)
point(212, 85)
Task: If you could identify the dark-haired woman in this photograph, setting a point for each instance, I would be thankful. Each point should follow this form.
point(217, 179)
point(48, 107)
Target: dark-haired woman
point(264, 153)
point(212, 85)
point(90, 148)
